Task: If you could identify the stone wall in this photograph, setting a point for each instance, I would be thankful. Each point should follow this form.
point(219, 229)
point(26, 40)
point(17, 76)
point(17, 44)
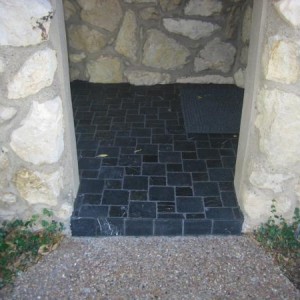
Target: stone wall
point(146, 42)
point(268, 163)
point(38, 167)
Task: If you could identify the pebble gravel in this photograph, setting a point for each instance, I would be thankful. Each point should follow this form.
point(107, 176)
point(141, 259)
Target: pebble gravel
point(207, 267)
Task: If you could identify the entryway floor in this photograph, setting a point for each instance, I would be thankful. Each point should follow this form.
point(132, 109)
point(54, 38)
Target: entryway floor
point(141, 173)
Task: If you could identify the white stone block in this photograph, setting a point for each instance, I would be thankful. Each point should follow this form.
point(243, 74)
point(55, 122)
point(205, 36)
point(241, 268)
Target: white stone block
point(24, 23)
point(281, 60)
point(84, 38)
point(289, 10)
point(76, 58)
point(239, 78)
point(216, 55)
point(6, 113)
point(203, 8)
point(278, 123)
point(39, 188)
point(2, 65)
point(40, 139)
point(206, 79)
point(35, 74)
point(193, 29)
point(147, 78)
point(126, 43)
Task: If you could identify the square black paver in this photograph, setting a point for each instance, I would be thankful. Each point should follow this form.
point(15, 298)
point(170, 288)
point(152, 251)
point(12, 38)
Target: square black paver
point(141, 174)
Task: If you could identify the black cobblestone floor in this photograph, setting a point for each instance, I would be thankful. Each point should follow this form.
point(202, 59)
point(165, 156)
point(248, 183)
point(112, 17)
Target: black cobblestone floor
point(141, 174)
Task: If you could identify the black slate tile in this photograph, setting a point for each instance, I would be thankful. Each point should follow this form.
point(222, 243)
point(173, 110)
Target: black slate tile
point(162, 139)
point(214, 163)
point(138, 195)
point(91, 186)
point(166, 147)
point(84, 227)
point(161, 193)
point(115, 197)
point(227, 227)
point(219, 213)
point(107, 161)
point(200, 176)
point(150, 158)
point(143, 132)
point(142, 209)
point(220, 174)
point(92, 199)
point(189, 155)
point(189, 204)
point(93, 211)
point(174, 168)
point(170, 157)
point(196, 227)
point(112, 184)
point(109, 151)
point(147, 149)
point(195, 216)
point(125, 142)
point(111, 226)
point(212, 202)
point(184, 146)
point(229, 199)
point(135, 182)
point(89, 174)
point(170, 216)
point(130, 160)
point(229, 161)
point(208, 153)
point(132, 170)
point(168, 227)
point(194, 166)
point(206, 189)
point(157, 180)
point(165, 207)
point(118, 211)
point(179, 179)
point(184, 191)
point(111, 172)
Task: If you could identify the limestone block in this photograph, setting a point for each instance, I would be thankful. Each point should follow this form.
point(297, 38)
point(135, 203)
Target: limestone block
point(24, 23)
point(40, 138)
point(140, 1)
point(244, 55)
point(74, 73)
point(6, 113)
point(105, 14)
point(8, 198)
point(278, 123)
point(150, 13)
point(289, 10)
point(104, 70)
point(2, 65)
point(126, 43)
point(83, 38)
point(69, 9)
point(76, 58)
point(147, 78)
point(216, 55)
point(239, 78)
point(160, 51)
point(281, 60)
point(247, 25)
point(4, 170)
point(65, 211)
point(39, 188)
point(191, 28)
point(36, 73)
point(203, 8)
point(233, 16)
point(206, 79)
point(168, 5)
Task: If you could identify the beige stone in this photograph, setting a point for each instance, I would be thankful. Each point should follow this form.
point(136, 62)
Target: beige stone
point(65, 211)
point(2, 65)
point(281, 60)
point(239, 78)
point(193, 29)
point(126, 43)
point(168, 5)
point(6, 113)
point(289, 10)
point(39, 188)
point(74, 73)
point(206, 79)
point(247, 24)
point(147, 78)
point(150, 13)
point(83, 38)
point(140, 1)
point(216, 55)
point(35, 74)
point(76, 58)
point(105, 14)
point(203, 8)
point(69, 9)
point(162, 52)
point(105, 70)
point(24, 23)
point(4, 170)
point(40, 138)
point(8, 198)
point(244, 55)
point(278, 123)
point(233, 16)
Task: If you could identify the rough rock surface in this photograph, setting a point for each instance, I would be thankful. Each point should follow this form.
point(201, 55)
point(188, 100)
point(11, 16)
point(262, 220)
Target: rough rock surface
point(279, 126)
point(150, 13)
point(126, 43)
point(36, 73)
point(2, 65)
point(206, 79)
point(33, 22)
point(40, 138)
point(38, 188)
point(105, 14)
point(239, 78)
point(203, 7)
point(247, 25)
point(154, 268)
point(216, 55)
point(281, 61)
point(76, 58)
point(105, 70)
point(168, 5)
point(6, 113)
point(289, 11)
point(147, 78)
point(84, 38)
point(191, 28)
point(160, 51)
point(69, 9)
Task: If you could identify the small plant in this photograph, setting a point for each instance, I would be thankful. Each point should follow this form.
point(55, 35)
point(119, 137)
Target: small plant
point(282, 239)
point(21, 244)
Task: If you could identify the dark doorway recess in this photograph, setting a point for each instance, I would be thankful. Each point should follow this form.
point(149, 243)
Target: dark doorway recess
point(142, 173)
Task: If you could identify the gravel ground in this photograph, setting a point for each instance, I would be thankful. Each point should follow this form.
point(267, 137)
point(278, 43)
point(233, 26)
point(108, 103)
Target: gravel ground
point(154, 268)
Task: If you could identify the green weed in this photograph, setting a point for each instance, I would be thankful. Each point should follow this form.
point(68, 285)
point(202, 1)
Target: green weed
point(22, 245)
